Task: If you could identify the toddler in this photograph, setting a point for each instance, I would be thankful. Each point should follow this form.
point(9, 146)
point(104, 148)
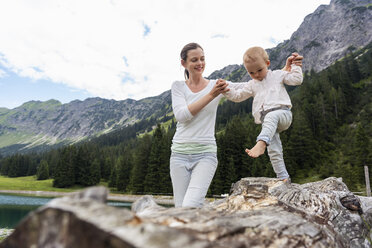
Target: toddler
point(271, 104)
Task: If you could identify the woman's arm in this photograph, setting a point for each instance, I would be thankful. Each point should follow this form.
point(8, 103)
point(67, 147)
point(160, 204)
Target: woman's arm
point(184, 112)
point(218, 88)
point(179, 105)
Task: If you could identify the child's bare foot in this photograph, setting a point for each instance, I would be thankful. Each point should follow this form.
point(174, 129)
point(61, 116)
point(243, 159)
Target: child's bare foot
point(257, 150)
point(287, 180)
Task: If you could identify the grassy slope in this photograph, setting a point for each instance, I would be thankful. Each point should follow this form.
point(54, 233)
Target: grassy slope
point(30, 183)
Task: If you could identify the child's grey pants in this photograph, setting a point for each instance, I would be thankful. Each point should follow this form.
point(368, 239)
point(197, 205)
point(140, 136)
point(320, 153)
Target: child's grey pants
point(191, 176)
point(274, 123)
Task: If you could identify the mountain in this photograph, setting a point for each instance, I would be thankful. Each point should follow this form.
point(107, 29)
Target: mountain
point(324, 37)
point(225, 72)
point(38, 123)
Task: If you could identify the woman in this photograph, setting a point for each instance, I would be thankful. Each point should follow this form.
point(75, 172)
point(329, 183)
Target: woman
point(193, 161)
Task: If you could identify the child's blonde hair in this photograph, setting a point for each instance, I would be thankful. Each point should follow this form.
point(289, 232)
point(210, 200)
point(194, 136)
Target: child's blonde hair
point(255, 53)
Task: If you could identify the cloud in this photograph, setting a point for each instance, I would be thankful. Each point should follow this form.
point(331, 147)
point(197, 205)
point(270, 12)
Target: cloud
point(219, 36)
point(125, 61)
point(147, 30)
point(3, 73)
point(119, 49)
point(274, 41)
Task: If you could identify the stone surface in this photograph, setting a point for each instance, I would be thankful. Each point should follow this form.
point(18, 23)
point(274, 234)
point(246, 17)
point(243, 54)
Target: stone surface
point(5, 232)
point(259, 212)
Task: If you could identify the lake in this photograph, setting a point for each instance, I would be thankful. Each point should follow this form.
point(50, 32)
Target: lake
point(13, 208)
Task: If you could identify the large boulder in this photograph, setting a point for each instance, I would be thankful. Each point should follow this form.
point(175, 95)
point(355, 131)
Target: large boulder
point(259, 212)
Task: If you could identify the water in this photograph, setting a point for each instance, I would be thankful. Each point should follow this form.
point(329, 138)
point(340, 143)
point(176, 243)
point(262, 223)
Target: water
point(14, 208)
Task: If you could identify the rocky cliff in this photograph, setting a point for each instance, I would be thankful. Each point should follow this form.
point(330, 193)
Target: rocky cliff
point(324, 36)
point(260, 212)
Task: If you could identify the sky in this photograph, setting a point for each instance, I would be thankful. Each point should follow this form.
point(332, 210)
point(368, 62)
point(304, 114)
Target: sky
point(119, 49)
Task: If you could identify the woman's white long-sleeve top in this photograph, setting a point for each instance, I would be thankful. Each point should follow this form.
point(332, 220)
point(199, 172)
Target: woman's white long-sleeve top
point(198, 129)
point(268, 93)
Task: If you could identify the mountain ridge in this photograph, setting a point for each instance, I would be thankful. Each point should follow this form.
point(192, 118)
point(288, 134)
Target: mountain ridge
point(326, 35)
point(37, 123)
point(50, 122)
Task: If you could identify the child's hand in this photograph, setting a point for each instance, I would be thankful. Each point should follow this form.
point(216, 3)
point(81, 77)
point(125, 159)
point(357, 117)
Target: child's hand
point(219, 88)
point(222, 85)
point(295, 59)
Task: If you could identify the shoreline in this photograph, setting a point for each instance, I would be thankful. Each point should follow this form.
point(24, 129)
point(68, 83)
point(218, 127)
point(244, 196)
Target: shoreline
point(165, 200)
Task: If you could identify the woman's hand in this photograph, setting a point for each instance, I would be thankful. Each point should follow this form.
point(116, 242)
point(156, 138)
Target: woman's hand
point(295, 59)
point(219, 88)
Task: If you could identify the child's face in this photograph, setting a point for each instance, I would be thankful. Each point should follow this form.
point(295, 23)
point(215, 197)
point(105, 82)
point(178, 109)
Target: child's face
point(258, 69)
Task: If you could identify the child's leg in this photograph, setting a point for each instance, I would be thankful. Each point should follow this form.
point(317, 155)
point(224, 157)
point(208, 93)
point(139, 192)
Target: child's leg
point(274, 148)
point(275, 121)
point(275, 152)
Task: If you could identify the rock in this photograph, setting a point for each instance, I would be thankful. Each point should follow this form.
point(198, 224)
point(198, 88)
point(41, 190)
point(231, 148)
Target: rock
point(259, 212)
point(4, 232)
point(78, 220)
point(146, 205)
point(352, 202)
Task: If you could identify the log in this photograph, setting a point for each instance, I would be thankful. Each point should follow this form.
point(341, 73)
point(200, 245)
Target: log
point(259, 212)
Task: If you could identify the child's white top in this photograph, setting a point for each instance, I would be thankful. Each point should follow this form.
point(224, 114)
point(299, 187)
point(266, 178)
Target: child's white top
point(197, 129)
point(268, 93)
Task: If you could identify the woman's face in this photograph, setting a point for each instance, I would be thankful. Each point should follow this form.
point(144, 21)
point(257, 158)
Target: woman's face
point(195, 62)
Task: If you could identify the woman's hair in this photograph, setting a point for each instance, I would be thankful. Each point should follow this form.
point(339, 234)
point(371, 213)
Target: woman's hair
point(185, 50)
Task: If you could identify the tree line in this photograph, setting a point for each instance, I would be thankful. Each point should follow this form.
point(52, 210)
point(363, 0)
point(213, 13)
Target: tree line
point(330, 136)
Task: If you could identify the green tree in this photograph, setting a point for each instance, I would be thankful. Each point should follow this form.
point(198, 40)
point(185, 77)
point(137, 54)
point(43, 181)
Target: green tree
point(106, 167)
point(95, 172)
point(4, 170)
point(301, 150)
point(42, 170)
point(65, 170)
point(140, 163)
point(52, 158)
point(113, 177)
point(82, 166)
point(14, 166)
point(123, 166)
point(232, 150)
point(348, 175)
point(157, 178)
point(361, 151)
point(230, 176)
point(32, 166)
